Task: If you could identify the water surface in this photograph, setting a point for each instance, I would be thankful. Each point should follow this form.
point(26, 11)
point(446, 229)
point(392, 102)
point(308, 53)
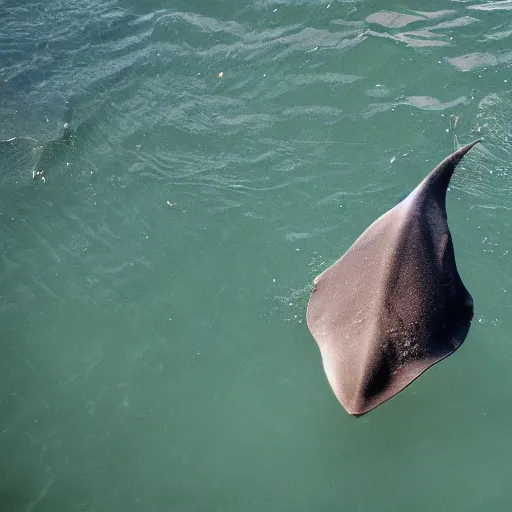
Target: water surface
point(153, 285)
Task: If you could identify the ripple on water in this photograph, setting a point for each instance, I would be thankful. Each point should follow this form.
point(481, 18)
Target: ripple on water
point(473, 61)
point(19, 158)
point(421, 36)
point(490, 179)
point(493, 6)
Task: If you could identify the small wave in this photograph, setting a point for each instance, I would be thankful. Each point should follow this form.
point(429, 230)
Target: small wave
point(490, 181)
point(492, 6)
point(422, 37)
point(429, 103)
point(472, 61)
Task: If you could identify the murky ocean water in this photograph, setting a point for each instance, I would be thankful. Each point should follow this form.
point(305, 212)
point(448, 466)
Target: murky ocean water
point(157, 252)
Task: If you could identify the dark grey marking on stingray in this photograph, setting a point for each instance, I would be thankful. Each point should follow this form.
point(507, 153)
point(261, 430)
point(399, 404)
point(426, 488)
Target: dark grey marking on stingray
point(394, 304)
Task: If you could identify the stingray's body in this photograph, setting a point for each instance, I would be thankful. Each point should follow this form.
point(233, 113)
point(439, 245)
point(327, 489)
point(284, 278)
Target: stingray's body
point(394, 304)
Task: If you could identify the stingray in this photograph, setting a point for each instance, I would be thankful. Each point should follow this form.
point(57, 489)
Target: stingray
point(394, 304)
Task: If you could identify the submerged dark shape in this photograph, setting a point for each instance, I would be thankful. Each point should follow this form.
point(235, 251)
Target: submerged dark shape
point(394, 304)
point(25, 157)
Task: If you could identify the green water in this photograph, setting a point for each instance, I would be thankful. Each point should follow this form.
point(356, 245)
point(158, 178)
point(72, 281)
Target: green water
point(154, 352)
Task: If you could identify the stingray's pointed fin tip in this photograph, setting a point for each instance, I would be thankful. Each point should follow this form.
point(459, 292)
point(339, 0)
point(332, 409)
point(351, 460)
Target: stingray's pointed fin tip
point(357, 407)
point(459, 154)
point(440, 176)
point(464, 149)
point(362, 410)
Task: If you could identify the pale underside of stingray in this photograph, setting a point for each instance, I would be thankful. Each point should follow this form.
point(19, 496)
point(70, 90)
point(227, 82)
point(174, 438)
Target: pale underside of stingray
point(394, 304)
